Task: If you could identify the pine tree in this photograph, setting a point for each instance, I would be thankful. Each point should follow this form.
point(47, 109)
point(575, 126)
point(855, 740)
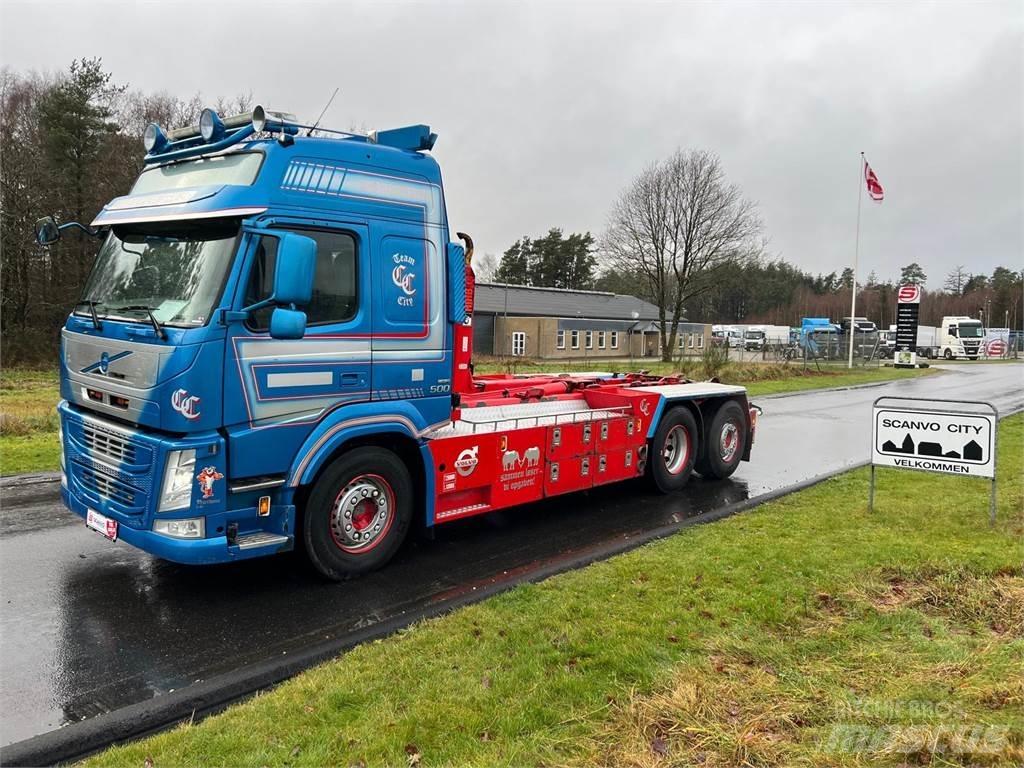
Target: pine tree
point(515, 264)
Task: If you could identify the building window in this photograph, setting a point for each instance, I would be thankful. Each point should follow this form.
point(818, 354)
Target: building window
point(682, 340)
point(574, 337)
point(518, 343)
point(700, 341)
point(600, 339)
point(590, 339)
point(614, 340)
point(560, 340)
point(693, 339)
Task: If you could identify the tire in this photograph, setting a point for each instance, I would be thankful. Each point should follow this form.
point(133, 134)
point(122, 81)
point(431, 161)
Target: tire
point(724, 442)
point(947, 354)
point(345, 532)
point(673, 450)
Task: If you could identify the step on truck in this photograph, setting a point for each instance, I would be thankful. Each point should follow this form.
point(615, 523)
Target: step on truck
point(273, 352)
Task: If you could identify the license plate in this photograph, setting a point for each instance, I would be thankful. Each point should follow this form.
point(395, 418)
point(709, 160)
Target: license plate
point(101, 524)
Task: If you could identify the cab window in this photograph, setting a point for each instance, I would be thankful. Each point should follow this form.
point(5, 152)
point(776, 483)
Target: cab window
point(335, 297)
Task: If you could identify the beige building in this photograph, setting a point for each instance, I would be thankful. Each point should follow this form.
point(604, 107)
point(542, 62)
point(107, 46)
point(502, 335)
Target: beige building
point(559, 324)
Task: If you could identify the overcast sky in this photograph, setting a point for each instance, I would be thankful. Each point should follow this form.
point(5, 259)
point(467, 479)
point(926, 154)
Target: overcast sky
point(546, 111)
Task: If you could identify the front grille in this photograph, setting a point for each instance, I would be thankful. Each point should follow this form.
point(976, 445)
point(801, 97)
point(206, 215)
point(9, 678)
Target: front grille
point(107, 487)
point(109, 444)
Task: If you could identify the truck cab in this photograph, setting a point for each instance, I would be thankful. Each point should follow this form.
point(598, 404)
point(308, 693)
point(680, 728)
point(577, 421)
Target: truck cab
point(274, 350)
point(961, 337)
point(753, 339)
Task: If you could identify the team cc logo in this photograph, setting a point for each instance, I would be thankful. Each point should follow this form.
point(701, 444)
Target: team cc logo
point(467, 461)
point(185, 404)
point(403, 278)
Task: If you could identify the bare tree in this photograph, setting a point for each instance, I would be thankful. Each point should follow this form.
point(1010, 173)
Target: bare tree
point(485, 266)
point(677, 224)
point(957, 279)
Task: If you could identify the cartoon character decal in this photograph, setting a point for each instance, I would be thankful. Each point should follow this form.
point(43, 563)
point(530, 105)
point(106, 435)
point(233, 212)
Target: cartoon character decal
point(206, 479)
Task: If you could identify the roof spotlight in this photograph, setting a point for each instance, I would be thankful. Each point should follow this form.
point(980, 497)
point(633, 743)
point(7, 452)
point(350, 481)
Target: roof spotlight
point(210, 125)
point(154, 139)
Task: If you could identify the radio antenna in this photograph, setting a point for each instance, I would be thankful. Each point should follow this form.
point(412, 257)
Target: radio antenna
point(324, 112)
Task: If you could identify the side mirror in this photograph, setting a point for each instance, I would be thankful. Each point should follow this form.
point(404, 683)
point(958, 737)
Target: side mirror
point(287, 323)
point(295, 269)
point(47, 231)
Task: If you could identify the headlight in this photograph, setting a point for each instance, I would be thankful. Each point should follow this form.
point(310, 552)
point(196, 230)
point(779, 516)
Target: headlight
point(177, 487)
point(189, 528)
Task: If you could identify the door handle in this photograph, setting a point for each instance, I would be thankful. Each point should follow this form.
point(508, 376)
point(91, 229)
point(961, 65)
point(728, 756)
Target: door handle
point(350, 379)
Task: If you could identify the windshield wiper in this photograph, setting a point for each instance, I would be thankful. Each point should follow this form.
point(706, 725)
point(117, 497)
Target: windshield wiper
point(160, 332)
point(92, 312)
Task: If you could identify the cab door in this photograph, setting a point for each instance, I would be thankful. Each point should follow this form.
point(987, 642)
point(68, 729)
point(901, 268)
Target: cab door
point(281, 388)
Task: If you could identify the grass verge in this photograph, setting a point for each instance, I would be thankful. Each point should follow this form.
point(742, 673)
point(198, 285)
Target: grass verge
point(28, 398)
point(805, 632)
point(28, 420)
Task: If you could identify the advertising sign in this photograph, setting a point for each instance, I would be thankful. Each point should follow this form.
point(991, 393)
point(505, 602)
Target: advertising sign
point(952, 437)
point(908, 305)
point(934, 441)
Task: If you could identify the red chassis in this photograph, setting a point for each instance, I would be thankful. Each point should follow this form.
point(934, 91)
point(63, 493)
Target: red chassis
point(520, 439)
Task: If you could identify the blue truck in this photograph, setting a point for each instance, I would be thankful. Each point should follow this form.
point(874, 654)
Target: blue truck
point(274, 351)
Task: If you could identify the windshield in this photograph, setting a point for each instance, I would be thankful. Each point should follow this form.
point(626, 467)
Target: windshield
point(175, 270)
point(971, 331)
point(755, 334)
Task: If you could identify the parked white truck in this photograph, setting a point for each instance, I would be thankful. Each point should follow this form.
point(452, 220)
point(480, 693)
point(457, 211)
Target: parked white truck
point(957, 337)
point(961, 337)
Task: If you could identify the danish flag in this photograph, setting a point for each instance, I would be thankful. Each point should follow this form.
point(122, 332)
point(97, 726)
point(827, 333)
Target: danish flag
point(875, 191)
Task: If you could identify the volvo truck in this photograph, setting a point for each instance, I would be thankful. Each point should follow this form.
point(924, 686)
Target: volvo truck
point(274, 352)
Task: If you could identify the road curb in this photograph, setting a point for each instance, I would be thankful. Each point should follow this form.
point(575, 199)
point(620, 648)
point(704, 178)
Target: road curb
point(781, 395)
point(32, 478)
point(78, 740)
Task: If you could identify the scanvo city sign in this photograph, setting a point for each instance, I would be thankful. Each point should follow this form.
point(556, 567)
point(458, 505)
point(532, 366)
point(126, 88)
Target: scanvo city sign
point(934, 441)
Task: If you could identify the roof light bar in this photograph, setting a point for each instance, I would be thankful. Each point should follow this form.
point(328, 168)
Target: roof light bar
point(214, 133)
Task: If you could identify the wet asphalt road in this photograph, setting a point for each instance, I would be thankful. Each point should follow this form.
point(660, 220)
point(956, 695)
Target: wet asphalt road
point(88, 626)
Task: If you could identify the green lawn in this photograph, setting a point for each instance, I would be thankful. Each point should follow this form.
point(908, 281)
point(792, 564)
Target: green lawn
point(28, 419)
point(805, 632)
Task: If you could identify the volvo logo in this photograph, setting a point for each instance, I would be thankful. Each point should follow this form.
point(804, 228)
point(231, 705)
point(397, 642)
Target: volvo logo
point(103, 364)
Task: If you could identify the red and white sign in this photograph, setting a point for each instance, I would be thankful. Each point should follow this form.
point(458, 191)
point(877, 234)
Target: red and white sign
point(909, 294)
point(995, 348)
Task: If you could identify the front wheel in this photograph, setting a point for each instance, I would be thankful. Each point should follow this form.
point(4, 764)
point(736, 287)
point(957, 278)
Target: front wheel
point(673, 450)
point(947, 354)
point(358, 513)
point(725, 442)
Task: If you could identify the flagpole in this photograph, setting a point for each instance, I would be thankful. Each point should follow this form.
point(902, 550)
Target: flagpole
point(856, 255)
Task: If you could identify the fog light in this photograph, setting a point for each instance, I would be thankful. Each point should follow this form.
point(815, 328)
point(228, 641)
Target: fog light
point(189, 528)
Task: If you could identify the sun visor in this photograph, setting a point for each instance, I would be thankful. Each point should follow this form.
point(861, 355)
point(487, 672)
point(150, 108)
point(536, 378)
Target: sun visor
point(180, 204)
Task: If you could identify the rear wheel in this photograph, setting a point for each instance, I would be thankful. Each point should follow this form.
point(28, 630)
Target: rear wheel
point(358, 513)
point(673, 450)
point(724, 443)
